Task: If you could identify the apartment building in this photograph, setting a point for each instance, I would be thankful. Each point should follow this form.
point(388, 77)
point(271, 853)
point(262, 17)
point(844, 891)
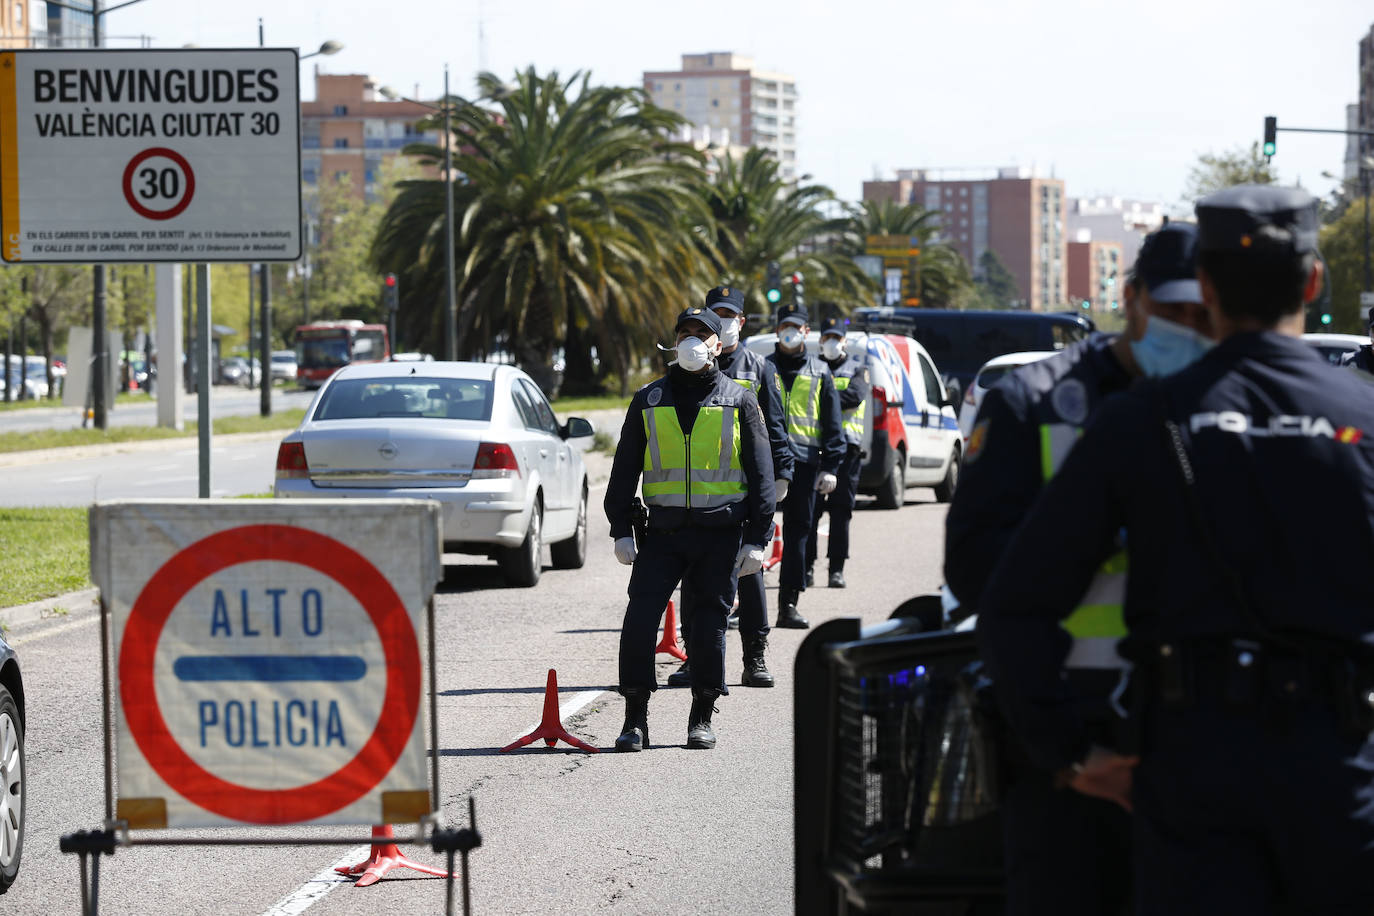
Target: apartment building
point(1096, 273)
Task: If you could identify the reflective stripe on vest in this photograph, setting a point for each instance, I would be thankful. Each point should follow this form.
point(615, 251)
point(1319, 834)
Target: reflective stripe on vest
point(1099, 620)
point(854, 416)
point(803, 404)
point(748, 378)
point(701, 470)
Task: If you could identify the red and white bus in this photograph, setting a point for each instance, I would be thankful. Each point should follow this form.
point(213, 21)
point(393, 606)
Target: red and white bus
point(324, 347)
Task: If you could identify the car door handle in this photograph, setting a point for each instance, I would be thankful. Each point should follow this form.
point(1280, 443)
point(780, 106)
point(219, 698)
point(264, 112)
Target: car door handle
point(543, 453)
point(562, 456)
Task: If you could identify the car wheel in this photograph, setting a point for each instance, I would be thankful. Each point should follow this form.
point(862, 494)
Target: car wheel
point(521, 565)
point(944, 490)
point(572, 553)
point(892, 494)
point(11, 790)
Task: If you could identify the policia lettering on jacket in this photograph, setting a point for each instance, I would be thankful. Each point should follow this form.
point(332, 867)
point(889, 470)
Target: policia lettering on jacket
point(698, 442)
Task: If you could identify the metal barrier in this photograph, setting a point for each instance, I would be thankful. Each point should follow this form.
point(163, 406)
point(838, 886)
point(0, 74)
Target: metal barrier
point(895, 773)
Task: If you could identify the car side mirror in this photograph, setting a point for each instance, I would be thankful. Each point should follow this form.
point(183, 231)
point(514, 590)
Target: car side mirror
point(952, 393)
point(577, 428)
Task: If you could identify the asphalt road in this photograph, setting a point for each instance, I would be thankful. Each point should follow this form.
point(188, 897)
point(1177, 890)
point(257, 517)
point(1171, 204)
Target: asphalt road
point(225, 401)
point(665, 831)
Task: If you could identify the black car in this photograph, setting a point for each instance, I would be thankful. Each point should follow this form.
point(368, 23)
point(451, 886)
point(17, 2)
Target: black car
point(961, 342)
point(11, 766)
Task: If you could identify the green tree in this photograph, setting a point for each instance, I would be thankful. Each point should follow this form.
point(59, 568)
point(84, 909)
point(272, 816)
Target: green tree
point(997, 287)
point(1343, 248)
point(1216, 171)
point(945, 280)
point(573, 212)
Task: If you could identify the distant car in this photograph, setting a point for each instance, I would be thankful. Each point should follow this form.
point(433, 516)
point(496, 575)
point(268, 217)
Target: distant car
point(13, 787)
point(236, 370)
point(284, 365)
point(479, 439)
point(993, 371)
point(1334, 346)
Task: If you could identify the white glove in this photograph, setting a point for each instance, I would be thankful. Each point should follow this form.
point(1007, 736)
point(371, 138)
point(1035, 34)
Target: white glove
point(780, 490)
point(825, 484)
point(749, 560)
point(625, 550)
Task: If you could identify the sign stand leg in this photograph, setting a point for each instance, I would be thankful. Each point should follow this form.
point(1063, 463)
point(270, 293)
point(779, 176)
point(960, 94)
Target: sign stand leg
point(93, 843)
point(462, 841)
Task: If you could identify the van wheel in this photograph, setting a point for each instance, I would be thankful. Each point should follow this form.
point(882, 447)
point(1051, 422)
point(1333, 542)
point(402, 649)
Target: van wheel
point(572, 553)
point(521, 565)
point(892, 494)
point(944, 490)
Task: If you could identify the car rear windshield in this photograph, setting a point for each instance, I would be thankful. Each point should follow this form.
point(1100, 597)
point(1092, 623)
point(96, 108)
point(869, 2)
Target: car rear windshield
point(993, 374)
point(411, 396)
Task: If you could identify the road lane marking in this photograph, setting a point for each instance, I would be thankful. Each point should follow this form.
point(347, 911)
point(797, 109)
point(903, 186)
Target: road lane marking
point(318, 887)
point(158, 469)
point(75, 479)
point(64, 628)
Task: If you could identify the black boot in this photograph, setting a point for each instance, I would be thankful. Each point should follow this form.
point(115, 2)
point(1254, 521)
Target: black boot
point(635, 732)
point(699, 734)
point(788, 618)
point(837, 573)
point(756, 673)
point(682, 677)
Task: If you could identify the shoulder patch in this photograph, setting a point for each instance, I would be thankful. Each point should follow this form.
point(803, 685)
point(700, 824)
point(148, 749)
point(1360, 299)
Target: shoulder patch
point(977, 441)
point(1070, 401)
point(655, 395)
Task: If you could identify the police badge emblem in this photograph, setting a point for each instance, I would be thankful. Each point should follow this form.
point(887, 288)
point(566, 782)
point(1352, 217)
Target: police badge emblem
point(1070, 401)
point(655, 396)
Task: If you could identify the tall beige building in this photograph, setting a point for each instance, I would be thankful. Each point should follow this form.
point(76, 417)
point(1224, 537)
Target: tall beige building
point(728, 95)
point(16, 23)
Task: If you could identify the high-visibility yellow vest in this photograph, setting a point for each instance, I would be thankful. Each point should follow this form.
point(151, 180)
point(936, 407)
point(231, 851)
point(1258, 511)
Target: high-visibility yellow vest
point(697, 470)
point(802, 403)
point(1099, 621)
point(854, 416)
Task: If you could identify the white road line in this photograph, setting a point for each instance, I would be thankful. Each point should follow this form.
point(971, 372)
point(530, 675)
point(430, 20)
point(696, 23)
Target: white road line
point(318, 887)
point(64, 628)
point(158, 469)
point(76, 479)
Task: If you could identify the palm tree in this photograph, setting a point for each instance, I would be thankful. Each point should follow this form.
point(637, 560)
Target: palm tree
point(945, 278)
point(758, 217)
point(574, 218)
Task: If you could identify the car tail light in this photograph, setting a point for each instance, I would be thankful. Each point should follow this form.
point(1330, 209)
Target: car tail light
point(969, 397)
point(879, 399)
point(494, 459)
point(291, 462)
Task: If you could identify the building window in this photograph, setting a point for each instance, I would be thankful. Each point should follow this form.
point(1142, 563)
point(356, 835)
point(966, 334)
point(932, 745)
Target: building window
point(308, 176)
point(715, 103)
point(677, 87)
point(19, 14)
point(340, 110)
point(341, 176)
point(963, 192)
point(341, 143)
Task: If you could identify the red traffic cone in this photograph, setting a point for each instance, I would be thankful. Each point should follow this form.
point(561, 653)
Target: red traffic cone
point(668, 644)
point(383, 858)
point(776, 557)
point(551, 726)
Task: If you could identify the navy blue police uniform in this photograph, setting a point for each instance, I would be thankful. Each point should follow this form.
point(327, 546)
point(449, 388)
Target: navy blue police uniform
point(814, 426)
point(755, 373)
point(694, 544)
point(853, 386)
point(1244, 485)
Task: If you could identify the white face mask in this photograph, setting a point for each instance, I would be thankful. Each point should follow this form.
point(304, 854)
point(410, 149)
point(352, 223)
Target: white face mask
point(693, 354)
point(790, 337)
point(832, 348)
point(729, 332)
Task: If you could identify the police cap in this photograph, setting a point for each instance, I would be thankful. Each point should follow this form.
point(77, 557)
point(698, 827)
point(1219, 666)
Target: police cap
point(703, 315)
point(833, 326)
point(791, 313)
point(1258, 218)
point(729, 296)
point(1167, 264)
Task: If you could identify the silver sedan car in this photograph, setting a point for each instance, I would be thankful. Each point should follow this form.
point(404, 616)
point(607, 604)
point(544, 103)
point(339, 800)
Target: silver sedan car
point(480, 439)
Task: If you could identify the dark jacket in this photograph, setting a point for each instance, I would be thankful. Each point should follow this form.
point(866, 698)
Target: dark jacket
point(1002, 474)
point(687, 393)
point(769, 394)
point(1361, 358)
point(1282, 449)
point(828, 457)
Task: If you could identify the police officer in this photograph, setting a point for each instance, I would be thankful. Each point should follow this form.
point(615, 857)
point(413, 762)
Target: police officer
point(758, 375)
point(1362, 358)
point(699, 440)
point(1243, 487)
point(852, 384)
point(813, 424)
point(1068, 853)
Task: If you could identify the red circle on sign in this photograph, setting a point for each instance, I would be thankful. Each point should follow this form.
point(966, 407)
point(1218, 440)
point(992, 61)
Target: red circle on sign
point(143, 157)
point(286, 544)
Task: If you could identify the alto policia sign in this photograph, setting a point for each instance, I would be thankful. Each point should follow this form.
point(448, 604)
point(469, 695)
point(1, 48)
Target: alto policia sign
point(150, 156)
point(268, 661)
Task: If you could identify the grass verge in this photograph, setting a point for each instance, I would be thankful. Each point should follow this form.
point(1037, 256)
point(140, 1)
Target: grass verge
point(121, 398)
point(223, 426)
point(46, 551)
point(565, 406)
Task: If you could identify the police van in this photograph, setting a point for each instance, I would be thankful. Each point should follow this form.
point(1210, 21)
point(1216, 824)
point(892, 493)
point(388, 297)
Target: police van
point(911, 433)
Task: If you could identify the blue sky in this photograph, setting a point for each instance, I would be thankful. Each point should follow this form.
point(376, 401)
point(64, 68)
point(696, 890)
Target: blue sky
point(1116, 98)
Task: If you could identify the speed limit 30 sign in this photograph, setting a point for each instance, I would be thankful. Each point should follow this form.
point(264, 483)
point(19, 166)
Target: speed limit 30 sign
point(143, 155)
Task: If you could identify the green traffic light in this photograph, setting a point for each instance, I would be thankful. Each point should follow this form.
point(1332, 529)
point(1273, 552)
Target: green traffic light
point(1087, 304)
point(1268, 149)
point(1326, 317)
point(774, 295)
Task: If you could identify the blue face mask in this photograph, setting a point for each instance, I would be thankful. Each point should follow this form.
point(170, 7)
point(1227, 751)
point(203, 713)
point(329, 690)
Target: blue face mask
point(1167, 347)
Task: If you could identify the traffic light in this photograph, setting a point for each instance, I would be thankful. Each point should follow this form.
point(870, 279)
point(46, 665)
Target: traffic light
point(798, 290)
point(1326, 318)
point(1087, 304)
point(1271, 130)
point(391, 292)
point(773, 288)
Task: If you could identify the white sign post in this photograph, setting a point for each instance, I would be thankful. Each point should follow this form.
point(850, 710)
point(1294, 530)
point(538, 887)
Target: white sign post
point(269, 659)
point(147, 156)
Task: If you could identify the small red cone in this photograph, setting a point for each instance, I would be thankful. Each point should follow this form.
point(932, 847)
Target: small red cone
point(384, 857)
point(668, 644)
point(776, 557)
point(551, 726)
